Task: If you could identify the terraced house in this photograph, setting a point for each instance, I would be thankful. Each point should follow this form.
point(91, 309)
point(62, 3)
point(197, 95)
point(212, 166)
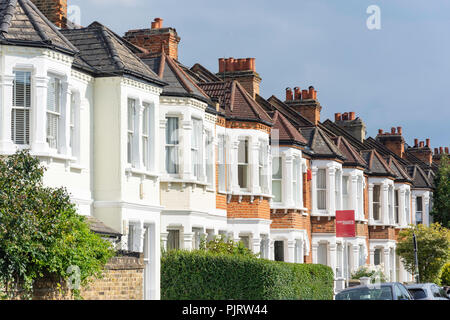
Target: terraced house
point(167, 155)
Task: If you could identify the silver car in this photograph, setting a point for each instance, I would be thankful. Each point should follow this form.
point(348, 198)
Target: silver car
point(383, 291)
point(427, 291)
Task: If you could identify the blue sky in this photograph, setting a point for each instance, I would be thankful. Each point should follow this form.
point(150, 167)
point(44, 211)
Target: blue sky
point(396, 76)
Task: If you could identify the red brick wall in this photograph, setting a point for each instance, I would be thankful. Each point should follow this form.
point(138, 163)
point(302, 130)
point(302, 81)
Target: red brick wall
point(387, 233)
point(54, 10)
point(259, 209)
point(289, 220)
point(323, 224)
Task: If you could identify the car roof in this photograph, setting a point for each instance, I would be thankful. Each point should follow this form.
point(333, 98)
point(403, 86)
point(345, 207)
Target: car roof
point(420, 285)
point(384, 284)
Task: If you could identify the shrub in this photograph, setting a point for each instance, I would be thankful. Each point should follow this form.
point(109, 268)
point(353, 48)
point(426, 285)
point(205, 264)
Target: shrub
point(41, 234)
point(219, 245)
point(202, 275)
point(375, 274)
point(445, 275)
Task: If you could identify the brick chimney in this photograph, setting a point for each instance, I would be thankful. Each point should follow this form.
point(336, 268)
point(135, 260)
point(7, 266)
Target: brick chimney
point(156, 39)
point(422, 150)
point(241, 70)
point(355, 126)
point(54, 10)
point(438, 152)
point(305, 102)
point(393, 140)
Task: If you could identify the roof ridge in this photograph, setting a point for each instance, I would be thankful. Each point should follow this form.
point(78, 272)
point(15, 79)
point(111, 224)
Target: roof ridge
point(253, 104)
point(383, 162)
point(37, 27)
point(189, 79)
point(110, 47)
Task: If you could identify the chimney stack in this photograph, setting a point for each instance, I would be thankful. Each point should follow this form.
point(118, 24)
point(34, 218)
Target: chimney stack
point(393, 140)
point(305, 102)
point(54, 10)
point(349, 122)
point(422, 151)
point(243, 71)
point(155, 40)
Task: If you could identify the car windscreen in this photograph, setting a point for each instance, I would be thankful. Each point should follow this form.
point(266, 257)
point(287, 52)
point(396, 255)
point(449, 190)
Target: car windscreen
point(381, 293)
point(418, 293)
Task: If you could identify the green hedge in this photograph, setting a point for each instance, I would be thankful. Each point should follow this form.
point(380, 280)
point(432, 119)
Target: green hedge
point(200, 275)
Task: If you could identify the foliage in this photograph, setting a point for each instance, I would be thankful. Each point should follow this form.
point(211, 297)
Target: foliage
point(41, 234)
point(433, 245)
point(219, 245)
point(375, 273)
point(441, 195)
point(205, 275)
point(445, 275)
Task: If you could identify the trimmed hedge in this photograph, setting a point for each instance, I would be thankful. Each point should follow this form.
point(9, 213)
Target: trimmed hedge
point(200, 275)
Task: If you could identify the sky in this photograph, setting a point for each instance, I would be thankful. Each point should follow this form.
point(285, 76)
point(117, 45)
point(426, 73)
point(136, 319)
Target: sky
point(398, 75)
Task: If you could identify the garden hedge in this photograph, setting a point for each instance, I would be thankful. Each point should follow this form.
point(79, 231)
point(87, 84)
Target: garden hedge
point(200, 275)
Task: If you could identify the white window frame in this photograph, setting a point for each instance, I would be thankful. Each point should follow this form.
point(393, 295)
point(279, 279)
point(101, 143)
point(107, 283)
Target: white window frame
point(222, 174)
point(277, 177)
point(245, 164)
point(360, 197)
point(173, 145)
point(146, 135)
point(419, 212)
point(26, 107)
point(297, 181)
point(209, 158)
point(397, 206)
point(345, 192)
point(321, 189)
point(196, 148)
point(375, 186)
point(132, 113)
point(53, 113)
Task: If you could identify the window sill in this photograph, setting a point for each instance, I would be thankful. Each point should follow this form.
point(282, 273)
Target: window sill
point(280, 206)
point(129, 171)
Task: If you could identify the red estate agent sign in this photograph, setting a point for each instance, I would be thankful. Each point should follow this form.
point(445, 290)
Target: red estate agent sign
point(345, 224)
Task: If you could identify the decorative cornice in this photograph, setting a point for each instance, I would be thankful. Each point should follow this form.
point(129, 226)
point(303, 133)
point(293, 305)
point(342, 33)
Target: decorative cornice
point(81, 76)
point(183, 101)
point(140, 85)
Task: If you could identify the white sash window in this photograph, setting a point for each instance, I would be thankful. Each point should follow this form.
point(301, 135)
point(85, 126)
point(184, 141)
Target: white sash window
point(359, 197)
point(53, 112)
point(321, 189)
point(277, 177)
point(21, 105)
point(243, 164)
point(222, 164)
point(396, 208)
point(146, 136)
point(296, 181)
point(131, 129)
point(196, 143)
point(209, 158)
point(376, 202)
point(172, 145)
point(345, 186)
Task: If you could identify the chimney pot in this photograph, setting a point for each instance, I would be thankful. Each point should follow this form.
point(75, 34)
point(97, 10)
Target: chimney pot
point(446, 150)
point(392, 130)
point(436, 150)
point(337, 117)
point(221, 65)
point(416, 142)
point(380, 131)
point(399, 130)
point(352, 115)
point(428, 143)
point(441, 150)
point(345, 116)
point(297, 93)
point(305, 94)
point(421, 144)
point(289, 96)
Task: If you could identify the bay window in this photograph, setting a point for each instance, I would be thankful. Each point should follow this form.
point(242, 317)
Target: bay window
point(221, 164)
point(321, 189)
point(53, 111)
point(243, 164)
point(376, 202)
point(277, 179)
point(172, 145)
point(21, 105)
point(196, 142)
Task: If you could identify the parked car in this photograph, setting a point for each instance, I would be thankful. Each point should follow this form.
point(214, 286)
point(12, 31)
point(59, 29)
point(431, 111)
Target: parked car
point(380, 291)
point(427, 291)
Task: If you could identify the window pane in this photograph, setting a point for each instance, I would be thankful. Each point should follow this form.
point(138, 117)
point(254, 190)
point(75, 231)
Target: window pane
point(276, 190)
point(321, 179)
point(322, 199)
point(243, 175)
point(172, 131)
point(243, 151)
point(276, 168)
point(20, 113)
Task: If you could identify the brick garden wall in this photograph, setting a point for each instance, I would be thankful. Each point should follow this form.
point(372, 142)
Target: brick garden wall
point(123, 279)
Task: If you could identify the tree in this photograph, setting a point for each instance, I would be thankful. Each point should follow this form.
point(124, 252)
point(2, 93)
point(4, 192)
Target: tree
point(41, 234)
point(433, 245)
point(441, 196)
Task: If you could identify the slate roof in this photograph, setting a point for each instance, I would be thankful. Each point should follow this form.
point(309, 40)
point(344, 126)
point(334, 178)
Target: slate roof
point(284, 131)
point(235, 102)
point(376, 165)
point(21, 23)
point(338, 131)
point(293, 116)
point(420, 178)
point(321, 145)
point(352, 157)
point(107, 54)
point(400, 171)
point(203, 75)
point(179, 82)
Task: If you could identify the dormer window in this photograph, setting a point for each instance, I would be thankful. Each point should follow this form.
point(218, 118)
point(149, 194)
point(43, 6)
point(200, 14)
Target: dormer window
point(21, 105)
point(53, 112)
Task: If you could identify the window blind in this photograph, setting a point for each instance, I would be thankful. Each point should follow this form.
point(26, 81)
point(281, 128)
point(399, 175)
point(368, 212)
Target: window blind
point(20, 113)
